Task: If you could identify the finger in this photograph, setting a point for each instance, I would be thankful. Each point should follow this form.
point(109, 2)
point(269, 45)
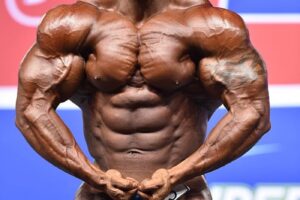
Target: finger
point(144, 195)
point(150, 185)
point(124, 184)
point(133, 191)
point(118, 194)
point(115, 193)
point(161, 194)
point(132, 180)
point(130, 193)
point(118, 181)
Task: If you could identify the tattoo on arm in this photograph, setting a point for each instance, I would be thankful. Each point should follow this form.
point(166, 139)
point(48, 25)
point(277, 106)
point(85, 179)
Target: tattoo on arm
point(233, 72)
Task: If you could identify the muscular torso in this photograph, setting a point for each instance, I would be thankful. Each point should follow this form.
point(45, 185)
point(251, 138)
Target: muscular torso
point(147, 76)
point(145, 108)
point(139, 130)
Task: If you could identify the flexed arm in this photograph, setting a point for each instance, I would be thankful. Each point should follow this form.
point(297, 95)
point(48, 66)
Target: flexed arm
point(51, 72)
point(39, 92)
point(234, 72)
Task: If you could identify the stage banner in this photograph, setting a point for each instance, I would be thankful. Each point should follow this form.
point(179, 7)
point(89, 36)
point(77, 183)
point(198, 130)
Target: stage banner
point(269, 171)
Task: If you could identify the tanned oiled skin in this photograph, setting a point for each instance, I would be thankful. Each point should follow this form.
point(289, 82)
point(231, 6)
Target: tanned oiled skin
point(147, 76)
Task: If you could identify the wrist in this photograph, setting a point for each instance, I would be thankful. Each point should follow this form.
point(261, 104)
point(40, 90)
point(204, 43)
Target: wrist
point(177, 175)
point(182, 173)
point(96, 178)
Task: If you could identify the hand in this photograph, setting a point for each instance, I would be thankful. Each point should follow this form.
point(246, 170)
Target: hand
point(156, 188)
point(115, 186)
point(118, 187)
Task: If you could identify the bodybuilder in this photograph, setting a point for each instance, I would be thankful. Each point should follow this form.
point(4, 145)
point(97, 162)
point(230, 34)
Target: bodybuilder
point(147, 75)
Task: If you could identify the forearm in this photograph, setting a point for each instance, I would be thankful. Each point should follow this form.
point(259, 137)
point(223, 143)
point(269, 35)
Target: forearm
point(52, 139)
point(232, 137)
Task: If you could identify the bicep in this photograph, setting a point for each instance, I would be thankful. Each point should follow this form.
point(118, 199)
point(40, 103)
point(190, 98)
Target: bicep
point(239, 80)
point(49, 78)
point(230, 68)
point(53, 68)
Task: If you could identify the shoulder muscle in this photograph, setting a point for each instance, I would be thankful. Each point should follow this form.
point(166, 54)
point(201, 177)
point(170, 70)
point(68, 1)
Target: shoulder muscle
point(230, 66)
point(64, 29)
point(216, 30)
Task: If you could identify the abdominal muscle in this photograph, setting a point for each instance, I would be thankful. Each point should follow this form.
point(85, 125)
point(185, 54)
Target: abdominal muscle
point(139, 130)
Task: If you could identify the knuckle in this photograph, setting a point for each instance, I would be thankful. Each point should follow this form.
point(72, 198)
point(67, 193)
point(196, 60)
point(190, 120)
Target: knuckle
point(115, 195)
point(113, 172)
point(156, 197)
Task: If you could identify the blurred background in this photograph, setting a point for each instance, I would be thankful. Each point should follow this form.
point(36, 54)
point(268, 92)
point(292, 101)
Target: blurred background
point(269, 171)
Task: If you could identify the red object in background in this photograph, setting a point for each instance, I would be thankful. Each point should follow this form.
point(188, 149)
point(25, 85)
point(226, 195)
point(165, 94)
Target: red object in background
point(214, 2)
point(15, 38)
point(278, 43)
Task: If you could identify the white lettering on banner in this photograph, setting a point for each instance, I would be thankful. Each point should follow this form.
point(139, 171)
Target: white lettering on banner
point(293, 193)
point(259, 192)
point(238, 192)
point(270, 193)
point(19, 16)
point(217, 192)
point(33, 2)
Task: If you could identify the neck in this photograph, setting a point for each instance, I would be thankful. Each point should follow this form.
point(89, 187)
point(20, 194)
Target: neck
point(138, 10)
